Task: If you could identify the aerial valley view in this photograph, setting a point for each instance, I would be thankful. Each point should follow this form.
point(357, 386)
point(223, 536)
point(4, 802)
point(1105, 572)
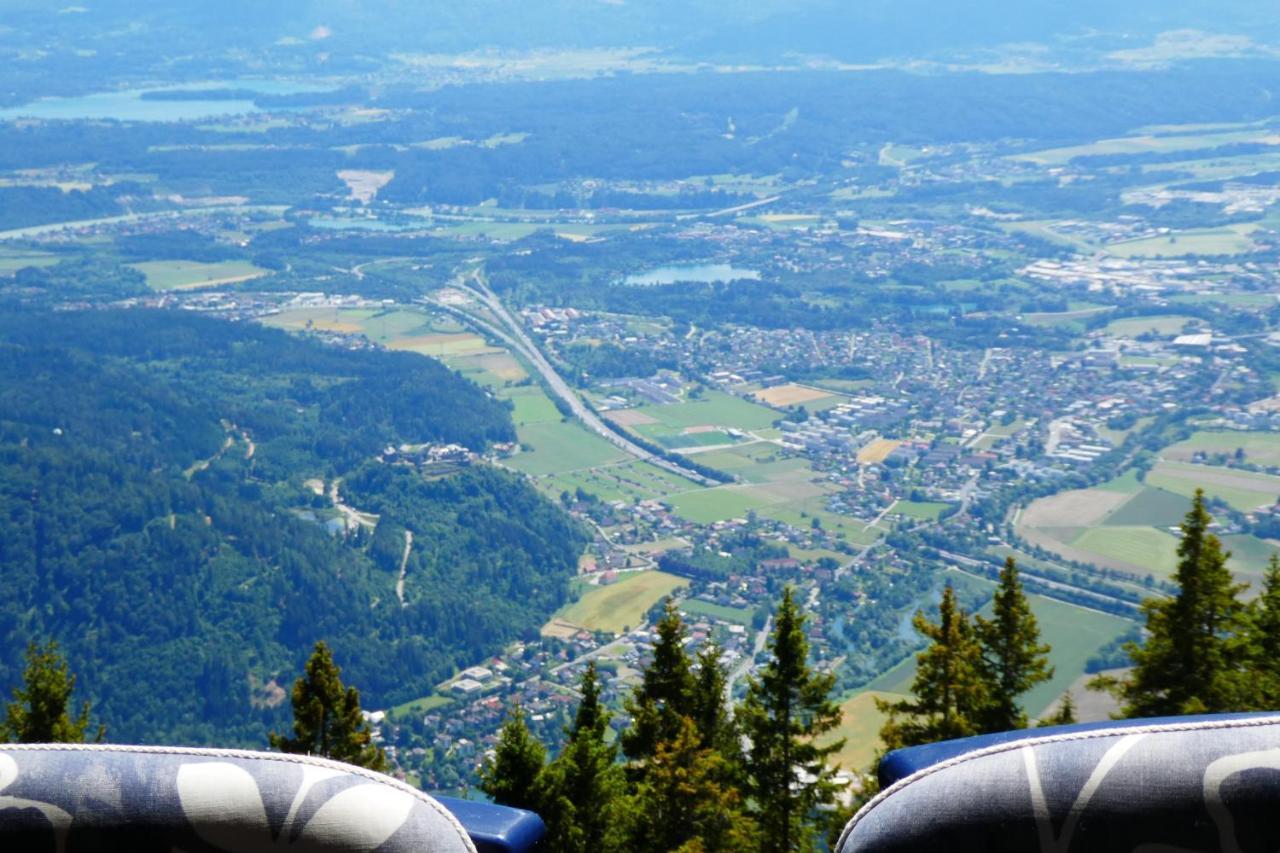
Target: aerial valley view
point(608, 389)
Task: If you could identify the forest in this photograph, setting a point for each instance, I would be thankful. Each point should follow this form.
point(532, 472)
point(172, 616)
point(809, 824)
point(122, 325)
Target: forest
point(154, 519)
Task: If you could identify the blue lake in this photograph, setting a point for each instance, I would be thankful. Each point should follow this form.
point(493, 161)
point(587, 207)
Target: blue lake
point(129, 105)
point(701, 273)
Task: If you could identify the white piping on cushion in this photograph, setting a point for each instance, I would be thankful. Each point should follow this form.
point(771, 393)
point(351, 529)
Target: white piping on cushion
point(1049, 843)
point(249, 755)
point(1032, 741)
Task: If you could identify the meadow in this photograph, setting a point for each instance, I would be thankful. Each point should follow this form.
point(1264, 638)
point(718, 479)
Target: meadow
point(620, 605)
point(1260, 448)
point(1163, 326)
point(193, 275)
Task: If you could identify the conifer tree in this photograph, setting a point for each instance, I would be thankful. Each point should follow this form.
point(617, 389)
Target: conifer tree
point(1263, 641)
point(1188, 663)
point(583, 792)
point(511, 776)
point(39, 710)
point(1065, 715)
point(949, 690)
point(786, 711)
point(684, 804)
point(665, 694)
point(326, 717)
point(711, 717)
point(1013, 659)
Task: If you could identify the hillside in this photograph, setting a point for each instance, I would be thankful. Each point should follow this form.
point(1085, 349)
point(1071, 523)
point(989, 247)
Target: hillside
point(157, 520)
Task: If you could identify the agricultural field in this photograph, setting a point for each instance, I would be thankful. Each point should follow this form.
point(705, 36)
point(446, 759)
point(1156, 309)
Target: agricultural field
point(559, 447)
point(877, 451)
point(1228, 240)
point(1260, 448)
point(193, 275)
point(12, 260)
point(1162, 326)
point(714, 409)
point(860, 724)
point(626, 481)
point(737, 615)
point(1131, 526)
point(620, 605)
point(781, 396)
point(1243, 490)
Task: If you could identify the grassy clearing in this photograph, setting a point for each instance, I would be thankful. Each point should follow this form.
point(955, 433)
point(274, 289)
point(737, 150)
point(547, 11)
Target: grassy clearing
point(714, 409)
point(1228, 240)
point(559, 447)
point(1243, 490)
point(1249, 556)
point(418, 707)
point(719, 504)
point(12, 260)
point(736, 615)
point(532, 406)
point(1145, 547)
point(860, 723)
point(192, 275)
point(1164, 326)
point(621, 605)
point(630, 481)
point(1260, 448)
point(1150, 507)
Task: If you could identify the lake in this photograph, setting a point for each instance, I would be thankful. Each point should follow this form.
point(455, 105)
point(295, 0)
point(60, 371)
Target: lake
point(129, 105)
point(701, 273)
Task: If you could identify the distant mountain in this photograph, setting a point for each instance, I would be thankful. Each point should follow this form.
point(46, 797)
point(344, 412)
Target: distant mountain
point(763, 31)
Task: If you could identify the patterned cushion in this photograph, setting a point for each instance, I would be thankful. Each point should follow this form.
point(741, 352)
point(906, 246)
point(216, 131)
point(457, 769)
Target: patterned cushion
point(97, 798)
point(1169, 787)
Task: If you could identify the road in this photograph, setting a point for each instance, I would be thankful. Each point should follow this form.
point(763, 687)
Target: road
point(514, 335)
point(1040, 579)
point(744, 666)
point(404, 565)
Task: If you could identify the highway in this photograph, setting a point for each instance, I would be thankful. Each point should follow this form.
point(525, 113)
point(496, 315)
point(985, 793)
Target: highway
point(514, 335)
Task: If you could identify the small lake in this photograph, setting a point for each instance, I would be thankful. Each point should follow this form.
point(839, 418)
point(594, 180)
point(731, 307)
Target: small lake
point(700, 273)
point(129, 105)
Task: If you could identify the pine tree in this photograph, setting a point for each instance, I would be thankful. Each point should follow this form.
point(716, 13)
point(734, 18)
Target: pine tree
point(684, 804)
point(1262, 639)
point(511, 776)
point(711, 717)
point(949, 690)
point(785, 712)
point(1014, 660)
point(326, 717)
point(1065, 715)
point(39, 710)
point(665, 694)
point(1188, 663)
point(583, 792)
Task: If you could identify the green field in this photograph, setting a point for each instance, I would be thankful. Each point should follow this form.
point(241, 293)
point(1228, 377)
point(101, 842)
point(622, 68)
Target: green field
point(714, 409)
point(1146, 547)
point(860, 724)
point(1228, 240)
point(1260, 448)
point(1164, 326)
point(190, 275)
point(559, 447)
point(1243, 490)
point(418, 707)
point(722, 503)
point(12, 260)
point(532, 406)
point(737, 615)
point(1249, 556)
point(1150, 508)
point(621, 605)
point(627, 481)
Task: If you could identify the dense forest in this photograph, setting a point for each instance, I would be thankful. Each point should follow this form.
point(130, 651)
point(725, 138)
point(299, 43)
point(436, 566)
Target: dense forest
point(154, 519)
